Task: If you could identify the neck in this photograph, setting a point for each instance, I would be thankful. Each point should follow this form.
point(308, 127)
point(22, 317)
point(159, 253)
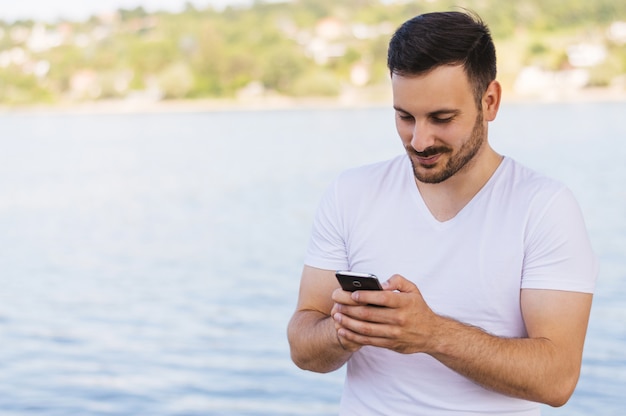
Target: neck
point(446, 199)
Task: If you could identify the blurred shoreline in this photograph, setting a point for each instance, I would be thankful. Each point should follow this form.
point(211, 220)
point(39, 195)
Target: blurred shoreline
point(127, 106)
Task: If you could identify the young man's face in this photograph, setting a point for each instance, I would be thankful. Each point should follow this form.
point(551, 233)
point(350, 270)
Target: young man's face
point(438, 122)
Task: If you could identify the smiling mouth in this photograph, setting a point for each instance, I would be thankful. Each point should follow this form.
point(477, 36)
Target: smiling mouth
point(428, 160)
point(428, 157)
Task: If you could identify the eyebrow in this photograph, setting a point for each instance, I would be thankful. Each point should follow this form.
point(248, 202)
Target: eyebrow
point(444, 112)
point(436, 113)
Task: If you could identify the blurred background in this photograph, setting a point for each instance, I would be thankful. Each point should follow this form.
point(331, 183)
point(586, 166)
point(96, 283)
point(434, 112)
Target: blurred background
point(154, 51)
point(161, 162)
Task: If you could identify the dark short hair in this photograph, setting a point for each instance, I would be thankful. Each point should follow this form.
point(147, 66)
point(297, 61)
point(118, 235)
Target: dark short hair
point(430, 40)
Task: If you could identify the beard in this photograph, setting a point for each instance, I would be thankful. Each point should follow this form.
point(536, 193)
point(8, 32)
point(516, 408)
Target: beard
point(456, 160)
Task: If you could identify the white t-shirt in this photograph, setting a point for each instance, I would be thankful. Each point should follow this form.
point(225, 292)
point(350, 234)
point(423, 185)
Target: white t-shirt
point(521, 230)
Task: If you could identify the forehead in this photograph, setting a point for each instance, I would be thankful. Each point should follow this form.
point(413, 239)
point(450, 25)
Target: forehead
point(443, 87)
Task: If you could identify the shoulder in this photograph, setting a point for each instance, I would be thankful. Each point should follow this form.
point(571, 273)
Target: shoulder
point(531, 197)
point(521, 175)
point(557, 251)
point(361, 187)
point(527, 185)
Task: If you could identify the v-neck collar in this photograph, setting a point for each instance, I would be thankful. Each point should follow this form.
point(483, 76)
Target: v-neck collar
point(423, 208)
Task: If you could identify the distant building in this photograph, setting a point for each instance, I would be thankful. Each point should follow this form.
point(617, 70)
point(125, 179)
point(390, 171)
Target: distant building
point(535, 81)
point(14, 56)
point(42, 39)
point(617, 32)
point(84, 84)
point(322, 51)
point(363, 31)
point(359, 74)
point(330, 28)
point(585, 55)
point(326, 42)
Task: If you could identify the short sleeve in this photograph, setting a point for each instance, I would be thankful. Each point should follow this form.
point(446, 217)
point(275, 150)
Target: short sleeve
point(558, 254)
point(327, 247)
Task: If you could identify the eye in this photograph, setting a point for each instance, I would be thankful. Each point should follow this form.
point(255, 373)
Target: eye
point(442, 120)
point(405, 116)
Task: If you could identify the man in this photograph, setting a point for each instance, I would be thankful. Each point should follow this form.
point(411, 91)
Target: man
point(490, 268)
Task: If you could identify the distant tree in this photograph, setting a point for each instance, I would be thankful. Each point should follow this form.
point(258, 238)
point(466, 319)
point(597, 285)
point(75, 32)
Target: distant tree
point(208, 62)
point(176, 80)
point(17, 88)
point(129, 14)
point(217, 52)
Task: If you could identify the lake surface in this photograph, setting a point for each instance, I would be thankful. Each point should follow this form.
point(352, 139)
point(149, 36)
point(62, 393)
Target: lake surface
point(149, 263)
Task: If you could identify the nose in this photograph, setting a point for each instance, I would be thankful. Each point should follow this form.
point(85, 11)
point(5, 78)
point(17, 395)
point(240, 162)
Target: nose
point(423, 137)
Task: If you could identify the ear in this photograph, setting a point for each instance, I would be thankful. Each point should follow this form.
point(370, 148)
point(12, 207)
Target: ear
point(491, 100)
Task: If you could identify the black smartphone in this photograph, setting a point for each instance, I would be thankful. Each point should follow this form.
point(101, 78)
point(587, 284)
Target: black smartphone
point(352, 281)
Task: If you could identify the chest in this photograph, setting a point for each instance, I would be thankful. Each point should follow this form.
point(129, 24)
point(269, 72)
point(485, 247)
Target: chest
point(469, 269)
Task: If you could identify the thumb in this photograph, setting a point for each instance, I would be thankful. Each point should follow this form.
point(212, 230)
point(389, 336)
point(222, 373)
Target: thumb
point(399, 283)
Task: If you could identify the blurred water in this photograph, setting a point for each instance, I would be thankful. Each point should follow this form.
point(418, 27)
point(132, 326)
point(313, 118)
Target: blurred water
point(149, 263)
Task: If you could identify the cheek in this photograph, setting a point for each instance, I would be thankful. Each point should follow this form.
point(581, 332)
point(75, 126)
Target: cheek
point(454, 134)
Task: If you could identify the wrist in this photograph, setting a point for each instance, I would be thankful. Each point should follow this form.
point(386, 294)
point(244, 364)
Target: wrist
point(443, 335)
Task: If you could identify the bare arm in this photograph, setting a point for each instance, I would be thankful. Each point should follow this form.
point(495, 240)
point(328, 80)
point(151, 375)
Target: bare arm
point(543, 367)
point(311, 332)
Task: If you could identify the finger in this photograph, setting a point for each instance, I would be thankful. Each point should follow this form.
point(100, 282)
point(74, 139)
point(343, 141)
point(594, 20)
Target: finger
point(399, 283)
point(368, 313)
point(342, 297)
point(345, 343)
point(369, 297)
point(352, 339)
point(358, 326)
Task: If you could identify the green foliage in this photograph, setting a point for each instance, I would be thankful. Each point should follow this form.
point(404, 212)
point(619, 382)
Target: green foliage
point(208, 53)
point(282, 67)
point(176, 80)
point(611, 69)
point(316, 84)
point(17, 88)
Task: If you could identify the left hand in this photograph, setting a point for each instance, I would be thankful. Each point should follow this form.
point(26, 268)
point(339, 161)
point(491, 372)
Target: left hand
point(404, 324)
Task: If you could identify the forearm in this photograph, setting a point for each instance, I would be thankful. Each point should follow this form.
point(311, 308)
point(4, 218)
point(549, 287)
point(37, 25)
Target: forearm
point(544, 367)
point(314, 343)
point(527, 368)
